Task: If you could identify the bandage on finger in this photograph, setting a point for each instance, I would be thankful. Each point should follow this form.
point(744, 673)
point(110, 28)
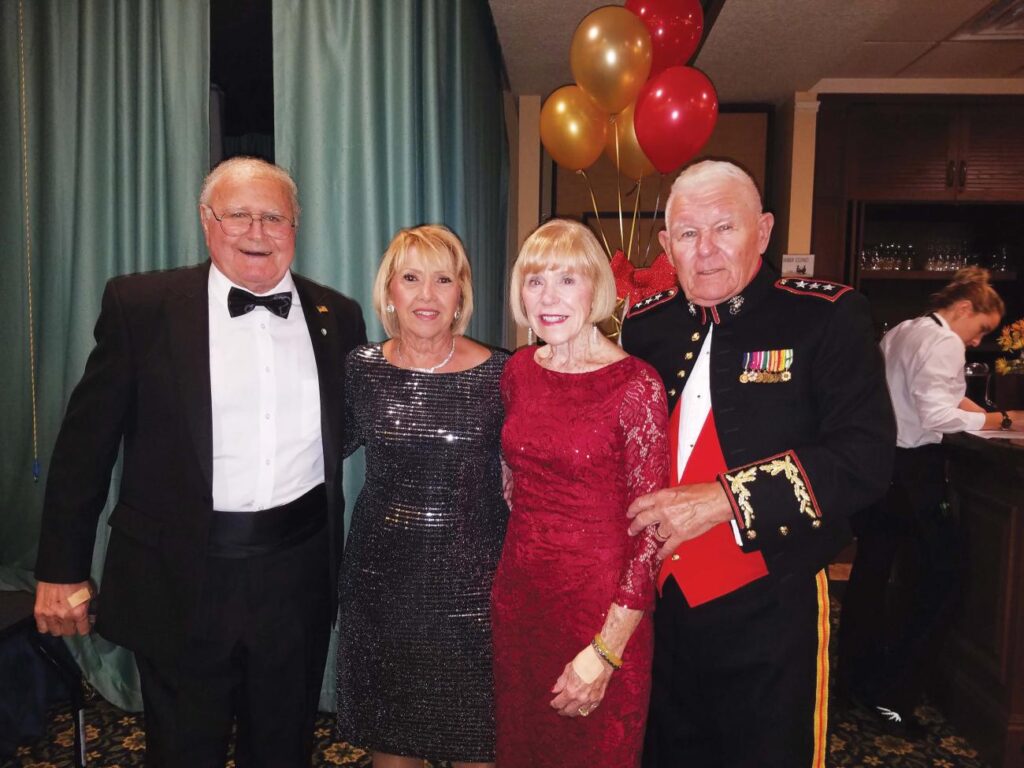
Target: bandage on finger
point(79, 597)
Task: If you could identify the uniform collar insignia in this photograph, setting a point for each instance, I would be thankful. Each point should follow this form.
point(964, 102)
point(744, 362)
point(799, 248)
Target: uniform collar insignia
point(737, 304)
point(705, 315)
point(321, 309)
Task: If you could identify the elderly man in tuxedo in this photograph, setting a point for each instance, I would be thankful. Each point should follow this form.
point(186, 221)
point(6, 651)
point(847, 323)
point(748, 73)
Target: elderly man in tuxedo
point(223, 383)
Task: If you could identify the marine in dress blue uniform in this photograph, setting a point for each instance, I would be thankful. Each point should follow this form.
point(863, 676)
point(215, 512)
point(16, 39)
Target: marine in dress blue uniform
point(805, 425)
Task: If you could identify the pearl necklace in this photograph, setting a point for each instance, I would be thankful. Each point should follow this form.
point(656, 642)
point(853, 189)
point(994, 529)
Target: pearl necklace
point(442, 364)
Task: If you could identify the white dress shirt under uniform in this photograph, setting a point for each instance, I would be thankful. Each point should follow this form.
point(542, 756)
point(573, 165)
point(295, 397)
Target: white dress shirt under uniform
point(694, 411)
point(924, 367)
point(267, 447)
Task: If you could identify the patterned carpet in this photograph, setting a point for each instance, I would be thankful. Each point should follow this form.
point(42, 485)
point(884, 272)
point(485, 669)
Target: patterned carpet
point(115, 740)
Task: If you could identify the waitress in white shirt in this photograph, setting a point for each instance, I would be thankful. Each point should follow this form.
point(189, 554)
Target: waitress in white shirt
point(924, 367)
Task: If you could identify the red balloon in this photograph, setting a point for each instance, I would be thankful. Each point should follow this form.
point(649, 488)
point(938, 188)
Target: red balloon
point(675, 26)
point(676, 112)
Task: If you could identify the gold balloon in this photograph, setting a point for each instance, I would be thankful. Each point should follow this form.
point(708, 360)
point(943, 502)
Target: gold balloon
point(611, 56)
point(632, 161)
point(572, 128)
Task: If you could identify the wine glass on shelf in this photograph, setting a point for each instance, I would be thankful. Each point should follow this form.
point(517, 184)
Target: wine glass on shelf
point(1002, 260)
point(869, 258)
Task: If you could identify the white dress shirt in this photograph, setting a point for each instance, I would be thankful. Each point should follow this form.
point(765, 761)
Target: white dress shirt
point(694, 404)
point(694, 411)
point(267, 447)
point(924, 367)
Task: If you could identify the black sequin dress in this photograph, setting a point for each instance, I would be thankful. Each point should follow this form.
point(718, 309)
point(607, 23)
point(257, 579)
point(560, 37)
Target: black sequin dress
point(414, 648)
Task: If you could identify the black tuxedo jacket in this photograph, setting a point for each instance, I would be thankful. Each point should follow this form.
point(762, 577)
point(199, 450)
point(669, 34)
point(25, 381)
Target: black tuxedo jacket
point(147, 386)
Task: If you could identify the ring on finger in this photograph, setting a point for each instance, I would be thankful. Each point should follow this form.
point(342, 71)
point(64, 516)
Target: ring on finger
point(659, 535)
point(584, 711)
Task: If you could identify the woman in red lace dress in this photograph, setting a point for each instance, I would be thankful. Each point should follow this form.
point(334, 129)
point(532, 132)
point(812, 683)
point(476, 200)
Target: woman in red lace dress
point(584, 434)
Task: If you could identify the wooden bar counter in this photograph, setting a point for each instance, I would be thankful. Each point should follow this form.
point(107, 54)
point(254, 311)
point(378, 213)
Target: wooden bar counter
point(979, 680)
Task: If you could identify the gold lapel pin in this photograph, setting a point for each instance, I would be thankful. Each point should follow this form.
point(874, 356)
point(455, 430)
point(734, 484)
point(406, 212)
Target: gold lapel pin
point(321, 309)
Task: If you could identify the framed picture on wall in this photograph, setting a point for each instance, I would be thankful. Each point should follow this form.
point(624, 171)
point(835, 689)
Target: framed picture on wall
point(645, 246)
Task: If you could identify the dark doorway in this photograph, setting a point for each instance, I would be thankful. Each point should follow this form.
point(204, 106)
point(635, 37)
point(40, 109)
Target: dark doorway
point(241, 79)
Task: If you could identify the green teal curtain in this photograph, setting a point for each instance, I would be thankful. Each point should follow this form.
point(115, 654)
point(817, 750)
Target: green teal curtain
point(116, 130)
point(390, 114)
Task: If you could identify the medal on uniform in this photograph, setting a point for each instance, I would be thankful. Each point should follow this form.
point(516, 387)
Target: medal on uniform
point(767, 366)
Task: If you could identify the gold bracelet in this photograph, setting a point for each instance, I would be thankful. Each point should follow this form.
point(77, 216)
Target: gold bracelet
point(605, 652)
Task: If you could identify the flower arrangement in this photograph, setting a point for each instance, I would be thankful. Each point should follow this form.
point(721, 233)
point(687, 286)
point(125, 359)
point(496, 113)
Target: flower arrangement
point(1011, 339)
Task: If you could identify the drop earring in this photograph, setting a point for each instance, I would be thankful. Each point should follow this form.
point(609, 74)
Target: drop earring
point(458, 313)
point(529, 335)
point(593, 334)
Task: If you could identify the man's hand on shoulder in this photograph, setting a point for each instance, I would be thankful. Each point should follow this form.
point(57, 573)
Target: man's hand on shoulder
point(680, 513)
point(63, 609)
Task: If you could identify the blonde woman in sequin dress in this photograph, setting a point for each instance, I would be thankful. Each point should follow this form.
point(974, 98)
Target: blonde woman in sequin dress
point(584, 435)
point(414, 654)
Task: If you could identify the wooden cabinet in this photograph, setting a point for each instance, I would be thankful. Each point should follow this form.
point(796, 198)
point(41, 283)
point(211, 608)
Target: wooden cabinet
point(901, 152)
point(935, 151)
point(978, 678)
point(992, 153)
point(930, 240)
point(943, 175)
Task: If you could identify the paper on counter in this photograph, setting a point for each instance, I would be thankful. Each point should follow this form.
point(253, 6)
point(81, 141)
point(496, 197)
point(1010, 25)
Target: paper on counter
point(1005, 434)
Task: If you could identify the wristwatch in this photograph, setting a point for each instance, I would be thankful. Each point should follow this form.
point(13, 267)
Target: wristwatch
point(1007, 422)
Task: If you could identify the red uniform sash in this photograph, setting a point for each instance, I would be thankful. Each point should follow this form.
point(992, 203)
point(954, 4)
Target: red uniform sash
point(712, 564)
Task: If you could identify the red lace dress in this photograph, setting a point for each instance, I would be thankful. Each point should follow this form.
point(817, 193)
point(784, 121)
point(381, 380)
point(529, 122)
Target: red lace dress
point(581, 447)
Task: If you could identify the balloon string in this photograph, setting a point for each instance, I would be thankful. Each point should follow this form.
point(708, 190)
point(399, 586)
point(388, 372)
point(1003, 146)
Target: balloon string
point(654, 221)
point(618, 185)
point(593, 202)
point(622, 318)
point(636, 210)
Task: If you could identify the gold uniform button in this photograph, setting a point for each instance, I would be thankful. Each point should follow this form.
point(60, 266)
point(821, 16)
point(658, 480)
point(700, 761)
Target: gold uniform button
point(816, 524)
point(696, 336)
point(783, 530)
point(680, 374)
point(751, 534)
point(689, 356)
point(671, 393)
point(675, 557)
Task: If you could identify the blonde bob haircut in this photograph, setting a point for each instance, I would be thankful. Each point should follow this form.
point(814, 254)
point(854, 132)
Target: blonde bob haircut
point(440, 248)
point(567, 245)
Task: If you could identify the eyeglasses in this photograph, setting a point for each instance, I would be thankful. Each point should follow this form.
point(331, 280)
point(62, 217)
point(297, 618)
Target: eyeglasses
point(235, 223)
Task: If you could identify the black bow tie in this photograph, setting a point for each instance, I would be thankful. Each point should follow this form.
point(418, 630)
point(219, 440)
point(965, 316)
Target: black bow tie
point(240, 302)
